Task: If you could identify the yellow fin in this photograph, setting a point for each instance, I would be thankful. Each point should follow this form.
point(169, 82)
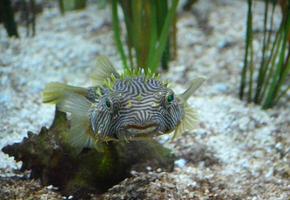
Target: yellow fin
point(195, 84)
point(80, 133)
point(188, 122)
point(104, 70)
point(54, 92)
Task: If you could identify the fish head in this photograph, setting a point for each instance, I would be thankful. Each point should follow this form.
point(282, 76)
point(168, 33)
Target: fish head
point(137, 107)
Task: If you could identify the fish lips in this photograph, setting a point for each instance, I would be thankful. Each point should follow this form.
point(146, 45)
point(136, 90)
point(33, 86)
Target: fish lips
point(142, 130)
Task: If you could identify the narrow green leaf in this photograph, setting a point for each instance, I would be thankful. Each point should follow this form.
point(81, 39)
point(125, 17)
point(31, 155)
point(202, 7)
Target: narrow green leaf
point(117, 33)
point(264, 47)
point(279, 71)
point(153, 34)
point(247, 41)
point(127, 11)
point(271, 66)
point(160, 46)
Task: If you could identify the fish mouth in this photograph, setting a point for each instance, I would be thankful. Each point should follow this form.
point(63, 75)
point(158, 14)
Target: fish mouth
point(141, 129)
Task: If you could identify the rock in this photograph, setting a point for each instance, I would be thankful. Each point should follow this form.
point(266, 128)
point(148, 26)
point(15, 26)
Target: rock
point(55, 162)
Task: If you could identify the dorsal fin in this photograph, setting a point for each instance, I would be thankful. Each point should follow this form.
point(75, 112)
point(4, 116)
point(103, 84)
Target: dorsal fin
point(104, 70)
point(194, 85)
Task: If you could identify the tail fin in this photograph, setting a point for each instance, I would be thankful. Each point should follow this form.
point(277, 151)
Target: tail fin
point(55, 92)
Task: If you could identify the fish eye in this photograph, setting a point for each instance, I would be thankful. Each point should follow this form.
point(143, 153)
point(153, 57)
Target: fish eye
point(108, 103)
point(170, 98)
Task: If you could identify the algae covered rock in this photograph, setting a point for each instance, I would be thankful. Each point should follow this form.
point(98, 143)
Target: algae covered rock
point(55, 162)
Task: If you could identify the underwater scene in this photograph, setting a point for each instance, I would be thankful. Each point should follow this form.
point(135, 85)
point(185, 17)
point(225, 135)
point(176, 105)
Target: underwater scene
point(145, 99)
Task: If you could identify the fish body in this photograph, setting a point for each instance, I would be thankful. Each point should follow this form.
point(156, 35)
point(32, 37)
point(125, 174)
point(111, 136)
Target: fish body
point(128, 106)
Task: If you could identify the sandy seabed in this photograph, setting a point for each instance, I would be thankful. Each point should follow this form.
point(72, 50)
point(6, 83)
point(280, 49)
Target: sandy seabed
point(239, 151)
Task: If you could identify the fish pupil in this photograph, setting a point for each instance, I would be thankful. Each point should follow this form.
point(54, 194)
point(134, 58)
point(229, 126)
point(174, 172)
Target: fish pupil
point(170, 98)
point(108, 103)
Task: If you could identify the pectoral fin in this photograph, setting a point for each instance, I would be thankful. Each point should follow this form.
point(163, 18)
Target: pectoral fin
point(188, 122)
point(80, 133)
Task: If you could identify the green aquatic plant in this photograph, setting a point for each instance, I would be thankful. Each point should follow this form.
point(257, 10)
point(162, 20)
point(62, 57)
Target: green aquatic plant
point(26, 11)
point(267, 84)
point(150, 32)
point(68, 5)
point(188, 4)
point(7, 16)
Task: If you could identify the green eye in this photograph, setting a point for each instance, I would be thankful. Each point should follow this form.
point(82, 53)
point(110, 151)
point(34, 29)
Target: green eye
point(108, 103)
point(170, 98)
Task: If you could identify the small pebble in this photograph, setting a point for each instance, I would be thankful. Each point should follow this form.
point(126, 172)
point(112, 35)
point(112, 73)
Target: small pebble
point(148, 168)
point(50, 187)
point(180, 163)
point(221, 87)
